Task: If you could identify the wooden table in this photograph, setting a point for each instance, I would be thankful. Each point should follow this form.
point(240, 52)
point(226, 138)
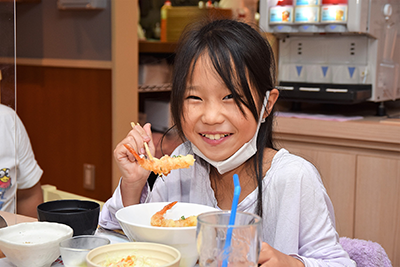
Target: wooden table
point(12, 219)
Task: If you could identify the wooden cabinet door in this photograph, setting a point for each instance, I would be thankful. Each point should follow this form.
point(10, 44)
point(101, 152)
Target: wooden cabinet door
point(338, 174)
point(377, 214)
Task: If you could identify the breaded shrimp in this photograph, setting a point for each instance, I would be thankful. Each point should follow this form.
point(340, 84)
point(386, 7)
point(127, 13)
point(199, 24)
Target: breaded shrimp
point(165, 164)
point(158, 219)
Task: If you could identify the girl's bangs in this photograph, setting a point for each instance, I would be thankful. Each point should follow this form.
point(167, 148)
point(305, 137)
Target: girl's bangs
point(223, 64)
point(235, 74)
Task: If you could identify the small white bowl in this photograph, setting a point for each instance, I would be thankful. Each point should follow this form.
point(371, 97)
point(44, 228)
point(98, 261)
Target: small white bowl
point(155, 254)
point(135, 222)
point(33, 244)
point(74, 250)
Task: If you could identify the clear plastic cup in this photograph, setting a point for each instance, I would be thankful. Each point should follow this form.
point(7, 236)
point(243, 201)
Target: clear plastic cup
point(74, 250)
point(211, 236)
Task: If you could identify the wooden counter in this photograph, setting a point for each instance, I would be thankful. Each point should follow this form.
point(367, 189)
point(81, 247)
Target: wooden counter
point(359, 162)
point(367, 133)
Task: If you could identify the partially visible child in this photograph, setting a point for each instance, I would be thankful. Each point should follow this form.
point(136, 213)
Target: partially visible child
point(222, 105)
point(19, 172)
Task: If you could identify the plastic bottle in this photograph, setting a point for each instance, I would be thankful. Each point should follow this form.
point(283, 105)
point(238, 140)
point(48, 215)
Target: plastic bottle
point(167, 5)
point(157, 31)
point(201, 4)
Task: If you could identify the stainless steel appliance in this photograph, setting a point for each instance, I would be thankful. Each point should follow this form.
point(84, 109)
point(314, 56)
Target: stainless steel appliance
point(336, 51)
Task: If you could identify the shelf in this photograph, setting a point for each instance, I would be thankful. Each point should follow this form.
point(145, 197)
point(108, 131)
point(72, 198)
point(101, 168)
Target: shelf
point(22, 1)
point(157, 47)
point(145, 88)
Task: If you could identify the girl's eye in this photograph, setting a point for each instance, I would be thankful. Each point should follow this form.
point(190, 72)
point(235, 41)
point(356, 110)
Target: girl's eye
point(228, 97)
point(193, 97)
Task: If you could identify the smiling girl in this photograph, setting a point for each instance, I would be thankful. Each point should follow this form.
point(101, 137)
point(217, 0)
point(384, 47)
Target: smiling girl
point(222, 105)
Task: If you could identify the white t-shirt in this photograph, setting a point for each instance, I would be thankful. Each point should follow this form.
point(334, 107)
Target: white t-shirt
point(298, 216)
point(18, 167)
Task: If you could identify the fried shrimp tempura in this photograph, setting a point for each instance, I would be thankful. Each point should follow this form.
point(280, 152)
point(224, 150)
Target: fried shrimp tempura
point(165, 164)
point(158, 219)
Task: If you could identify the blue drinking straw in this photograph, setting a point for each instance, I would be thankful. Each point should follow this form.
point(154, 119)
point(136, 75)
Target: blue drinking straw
point(235, 201)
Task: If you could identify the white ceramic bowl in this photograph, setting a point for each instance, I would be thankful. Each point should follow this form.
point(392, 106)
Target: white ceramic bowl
point(33, 244)
point(154, 254)
point(135, 222)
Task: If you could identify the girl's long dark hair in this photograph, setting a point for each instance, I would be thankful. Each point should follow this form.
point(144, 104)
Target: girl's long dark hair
point(243, 59)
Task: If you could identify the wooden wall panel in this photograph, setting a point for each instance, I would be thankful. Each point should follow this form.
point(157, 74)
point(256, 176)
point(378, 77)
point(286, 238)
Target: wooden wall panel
point(67, 113)
point(378, 203)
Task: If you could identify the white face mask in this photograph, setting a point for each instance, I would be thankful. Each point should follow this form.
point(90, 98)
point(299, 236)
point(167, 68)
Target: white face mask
point(243, 154)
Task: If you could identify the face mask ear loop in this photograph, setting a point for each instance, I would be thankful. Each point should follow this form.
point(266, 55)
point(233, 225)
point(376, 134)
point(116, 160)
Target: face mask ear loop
point(265, 110)
point(264, 106)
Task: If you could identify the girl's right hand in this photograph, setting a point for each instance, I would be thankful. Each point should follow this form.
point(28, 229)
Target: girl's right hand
point(134, 177)
point(270, 257)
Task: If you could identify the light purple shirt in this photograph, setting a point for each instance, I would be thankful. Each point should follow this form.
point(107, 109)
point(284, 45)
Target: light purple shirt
point(298, 216)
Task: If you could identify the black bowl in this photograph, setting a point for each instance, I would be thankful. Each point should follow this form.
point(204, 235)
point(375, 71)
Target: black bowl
point(81, 215)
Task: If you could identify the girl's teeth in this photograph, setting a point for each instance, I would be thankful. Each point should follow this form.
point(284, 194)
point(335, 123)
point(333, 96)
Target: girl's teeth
point(214, 136)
